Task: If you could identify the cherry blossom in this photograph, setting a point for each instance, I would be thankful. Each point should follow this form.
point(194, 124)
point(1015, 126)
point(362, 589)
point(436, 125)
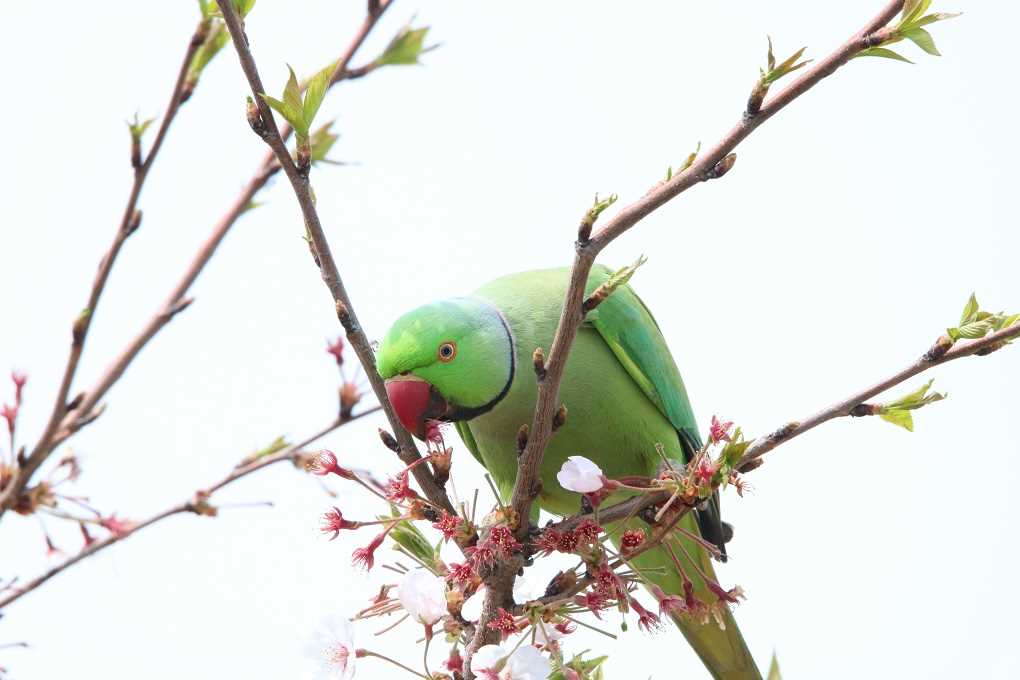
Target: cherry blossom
point(719, 430)
point(423, 596)
point(336, 348)
point(332, 649)
point(492, 662)
point(472, 607)
point(580, 475)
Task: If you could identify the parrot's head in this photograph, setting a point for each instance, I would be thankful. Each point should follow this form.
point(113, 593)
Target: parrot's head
point(449, 360)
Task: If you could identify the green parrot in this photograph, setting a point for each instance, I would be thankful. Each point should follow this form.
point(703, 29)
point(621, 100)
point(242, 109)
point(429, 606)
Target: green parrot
point(468, 360)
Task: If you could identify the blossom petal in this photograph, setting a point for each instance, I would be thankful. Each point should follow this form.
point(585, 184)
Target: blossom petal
point(423, 596)
point(527, 663)
point(580, 475)
point(486, 658)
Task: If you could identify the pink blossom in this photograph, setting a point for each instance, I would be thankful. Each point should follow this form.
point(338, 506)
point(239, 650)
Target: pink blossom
point(449, 525)
point(326, 463)
point(504, 622)
point(334, 521)
point(19, 380)
point(365, 557)
point(118, 526)
point(719, 431)
point(336, 348)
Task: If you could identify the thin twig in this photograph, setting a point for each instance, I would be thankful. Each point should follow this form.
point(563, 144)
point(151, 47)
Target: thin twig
point(709, 165)
point(327, 265)
point(196, 504)
point(85, 410)
point(571, 316)
point(785, 433)
point(128, 224)
point(842, 408)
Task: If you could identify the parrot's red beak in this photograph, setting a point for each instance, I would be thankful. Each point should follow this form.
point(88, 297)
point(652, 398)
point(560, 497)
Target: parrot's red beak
point(410, 397)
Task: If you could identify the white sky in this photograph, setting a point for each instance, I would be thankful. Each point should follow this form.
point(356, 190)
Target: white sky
point(848, 236)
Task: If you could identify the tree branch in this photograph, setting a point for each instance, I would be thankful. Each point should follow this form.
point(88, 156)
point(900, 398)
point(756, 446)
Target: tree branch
point(936, 356)
point(129, 222)
point(198, 504)
point(324, 258)
point(702, 169)
point(84, 411)
point(712, 164)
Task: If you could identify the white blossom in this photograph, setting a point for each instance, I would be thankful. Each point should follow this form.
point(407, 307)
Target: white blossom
point(581, 475)
point(546, 634)
point(332, 649)
point(472, 607)
point(423, 596)
point(525, 663)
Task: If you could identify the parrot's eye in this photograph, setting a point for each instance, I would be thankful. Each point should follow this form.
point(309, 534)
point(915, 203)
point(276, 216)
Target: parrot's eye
point(447, 351)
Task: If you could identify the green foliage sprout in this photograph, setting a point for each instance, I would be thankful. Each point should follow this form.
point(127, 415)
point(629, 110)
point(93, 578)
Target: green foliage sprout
point(297, 110)
point(910, 27)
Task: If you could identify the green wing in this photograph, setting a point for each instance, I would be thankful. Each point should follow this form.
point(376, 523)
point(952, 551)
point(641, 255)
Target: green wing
point(629, 329)
point(469, 440)
point(633, 335)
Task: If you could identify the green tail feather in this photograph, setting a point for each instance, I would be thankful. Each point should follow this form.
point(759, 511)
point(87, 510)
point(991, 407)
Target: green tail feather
point(723, 651)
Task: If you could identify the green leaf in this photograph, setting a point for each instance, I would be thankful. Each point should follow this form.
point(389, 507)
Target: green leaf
point(623, 274)
point(898, 412)
point(290, 115)
point(932, 18)
point(278, 444)
point(774, 669)
point(586, 669)
point(411, 539)
point(406, 47)
point(972, 330)
point(689, 161)
point(922, 39)
point(898, 417)
point(322, 140)
point(601, 204)
point(734, 449)
point(137, 129)
point(913, 9)
point(292, 98)
point(1006, 321)
point(315, 92)
point(788, 66)
point(774, 72)
point(291, 107)
point(918, 398)
point(218, 37)
point(970, 310)
point(882, 52)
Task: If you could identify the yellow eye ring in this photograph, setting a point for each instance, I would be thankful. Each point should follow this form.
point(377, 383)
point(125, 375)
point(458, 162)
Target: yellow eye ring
point(447, 351)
